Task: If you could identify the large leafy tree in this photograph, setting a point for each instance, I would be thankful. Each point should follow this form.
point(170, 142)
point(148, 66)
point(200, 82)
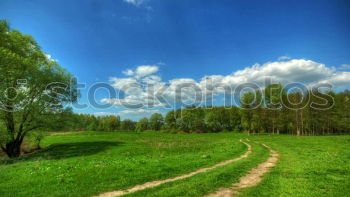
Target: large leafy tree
point(31, 87)
point(156, 121)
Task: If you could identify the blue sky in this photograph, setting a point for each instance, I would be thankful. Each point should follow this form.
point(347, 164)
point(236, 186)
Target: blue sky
point(97, 40)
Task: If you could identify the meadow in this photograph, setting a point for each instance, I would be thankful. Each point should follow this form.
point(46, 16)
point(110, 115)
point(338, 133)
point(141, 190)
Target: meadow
point(90, 163)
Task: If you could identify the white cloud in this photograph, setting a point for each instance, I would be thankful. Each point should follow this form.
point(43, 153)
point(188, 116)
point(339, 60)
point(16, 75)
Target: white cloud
point(152, 79)
point(128, 85)
point(296, 70)
point(135, 86)
point(134, 2)
point(339, 80)
point(141, 71)
point(138, 82)
point(145, 70)
point(128, 72)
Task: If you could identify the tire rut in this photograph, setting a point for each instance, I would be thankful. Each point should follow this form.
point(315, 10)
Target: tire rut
point(160, 182)
point(251, 179)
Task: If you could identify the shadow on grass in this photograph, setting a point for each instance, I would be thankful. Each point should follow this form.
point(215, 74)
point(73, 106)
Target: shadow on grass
point(63, 151)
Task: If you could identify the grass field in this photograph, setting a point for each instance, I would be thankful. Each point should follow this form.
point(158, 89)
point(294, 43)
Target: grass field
point(89, 163)
point(309, 166)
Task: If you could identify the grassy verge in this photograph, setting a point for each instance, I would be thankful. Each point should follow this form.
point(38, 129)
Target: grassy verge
point(85, 164)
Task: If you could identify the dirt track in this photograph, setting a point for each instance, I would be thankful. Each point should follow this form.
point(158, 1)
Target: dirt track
point(160, 182)
point(251, 179)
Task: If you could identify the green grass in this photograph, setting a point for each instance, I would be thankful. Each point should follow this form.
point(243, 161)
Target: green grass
point(309, 166)
point(89, 163)
point(209, 182)
point(85, 164)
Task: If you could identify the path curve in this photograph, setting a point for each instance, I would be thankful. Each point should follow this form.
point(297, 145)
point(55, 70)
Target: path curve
point(160, 182)
point(251, 179)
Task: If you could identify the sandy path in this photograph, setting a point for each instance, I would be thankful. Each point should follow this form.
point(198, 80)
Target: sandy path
point(157, 183)
point(252, 178)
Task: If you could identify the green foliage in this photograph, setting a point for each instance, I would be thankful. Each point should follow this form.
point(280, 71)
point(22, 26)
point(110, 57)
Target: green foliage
point(142, 125)
point(156, 121)
point(3, 133)
point(273, 111)
point(31, 86)
point(128, 125)
point(36, 136)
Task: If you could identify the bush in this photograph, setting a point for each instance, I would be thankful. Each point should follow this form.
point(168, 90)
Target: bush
point(36, 137)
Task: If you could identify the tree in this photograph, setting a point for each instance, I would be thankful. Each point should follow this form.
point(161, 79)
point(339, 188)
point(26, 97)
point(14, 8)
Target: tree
point(93, 124)
point(290, 111)
point(218, 119)
point(31, 85)
point(249, 102)
point(235, 119)
point(127, 125)
point(273, 102)
point(170, 119)
point(142, 125)
point(112, 123)
point(156, 121)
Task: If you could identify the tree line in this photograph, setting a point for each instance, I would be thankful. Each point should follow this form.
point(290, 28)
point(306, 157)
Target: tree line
point(67, 120)
point(272, 110)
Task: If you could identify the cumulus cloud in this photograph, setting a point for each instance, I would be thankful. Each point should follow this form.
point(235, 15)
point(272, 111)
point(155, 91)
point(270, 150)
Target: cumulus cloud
point(138, 87)
point(145, 70)
point(119, 83)
point(152, 79)
point(296, 70)
point(128, 72)
point(339, 80)
point(145, 86)
point(141, 71)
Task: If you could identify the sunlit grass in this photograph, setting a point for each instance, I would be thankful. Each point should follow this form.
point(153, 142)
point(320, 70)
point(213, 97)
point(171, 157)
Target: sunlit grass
point(309, 166)
point(85, 164)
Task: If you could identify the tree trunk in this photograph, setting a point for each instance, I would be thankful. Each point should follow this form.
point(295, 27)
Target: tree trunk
point(13, 148)
point(302, 123)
